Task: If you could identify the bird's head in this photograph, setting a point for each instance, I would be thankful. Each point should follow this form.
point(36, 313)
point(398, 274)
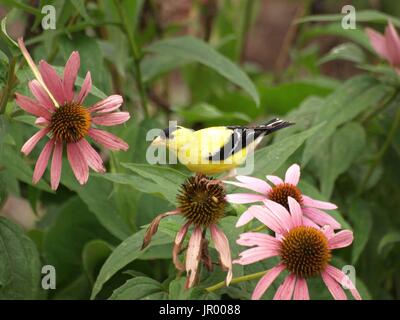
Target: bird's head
point(173, 137)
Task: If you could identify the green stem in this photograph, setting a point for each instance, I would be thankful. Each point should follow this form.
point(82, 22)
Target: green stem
point(244, 27)
point(8, 87)
point(257, 229)
point(248, 277)
point(27, 8)
point(137, 56)
point(382, 151)
point(383, 105)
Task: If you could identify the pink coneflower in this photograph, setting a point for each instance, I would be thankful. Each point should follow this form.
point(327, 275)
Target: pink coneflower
point(279, 192)
point(63, 117)
point(202, 203)
point(303, 250)
point(386, 45)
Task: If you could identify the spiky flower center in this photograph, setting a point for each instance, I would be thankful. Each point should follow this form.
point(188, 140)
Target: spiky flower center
point(305, 251)
point(281, 192)
point(70, 123)
point(202, 200)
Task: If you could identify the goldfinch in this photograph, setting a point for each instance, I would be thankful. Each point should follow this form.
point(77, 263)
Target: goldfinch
point(216, 149)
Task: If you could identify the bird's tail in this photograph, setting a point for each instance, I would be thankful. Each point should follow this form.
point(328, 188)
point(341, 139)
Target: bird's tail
point(273, 125)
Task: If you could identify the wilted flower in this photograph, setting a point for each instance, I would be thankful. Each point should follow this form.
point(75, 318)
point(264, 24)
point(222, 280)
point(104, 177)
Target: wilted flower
point(279, 192)
point(202, 202)
point(62, 115)
point(387, 45)
point(304, 251)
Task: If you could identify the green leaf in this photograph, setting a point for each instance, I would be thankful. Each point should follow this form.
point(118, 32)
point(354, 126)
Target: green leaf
point(94, 254)
point(139, 288)
point(128, 251)
point(81, 8)
point(195, 50)
point(270, 158)
point(349, 100)
point(159, 64)
point(19, 263)
point(389, 239)
point(345, 51)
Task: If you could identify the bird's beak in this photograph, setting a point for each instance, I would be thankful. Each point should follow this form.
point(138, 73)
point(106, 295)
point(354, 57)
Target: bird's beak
point(158, 142)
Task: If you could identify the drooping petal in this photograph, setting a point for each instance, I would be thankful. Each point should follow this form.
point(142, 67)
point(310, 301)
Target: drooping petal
point(321, 218)
point(111, 119)
point(180, 237)
point(266, 281)
point(221, 244)
point(245, 218)
point(108, 104)
point(108, 140)
point(392, 44)
point(56, 165)
point(42, 122)
point(292, 175)
point(32, 142)
point(301, 290)
point(31, 106)
point(70, 73)
point(275, 179)
point(265, 216)
point(256, 254)
point(53, 81)
point(343, 280)
point(255, 184)
point(258, 239)
point(41, 95)
point(309, 202)
point(308, 222)
point(295, 210)
point(193, 256)
point(341, 239)
point(91, 156)
point(334, 288)
point(42, 161)
point(85, 89)
point(78, 163)
point(281, 214)
point(285, 290)
point(328, 231)
point(378, 42)
point(241, 198)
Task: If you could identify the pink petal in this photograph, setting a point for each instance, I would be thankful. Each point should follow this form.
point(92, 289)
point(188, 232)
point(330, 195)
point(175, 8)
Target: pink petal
point(266, 281)
point(293, 174)
point(241, 198)
point(258, 239)
point(70, 73)
point(108, 104)
point(32, 142)
point(255, 184)
point(41, 95)
point(31, 106)
point(392, 44)
point(52, 81)
point(56, 165)
point(256, 254)
point(180, 236)
point(221, 244)
point(85, 89)
point(108, 140)
point(275, 180)
point(285, 290)
point(246, 217)
point(91, 156)
point(341, 239)
point(111, 119)
point(343, 279)
point(310, 223)
point(321, 218)
point(42, 122)
point(334, 288)
point(295, 210)
point(42, 161)
point(281, 215)
point(301, 290)
point(378, 42)
point(309, 202)
point(327, 230)
point(264, 215)
point(193, 256)
point(78, 163)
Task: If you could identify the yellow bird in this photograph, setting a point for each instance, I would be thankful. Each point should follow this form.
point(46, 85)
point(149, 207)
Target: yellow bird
point(216, 149)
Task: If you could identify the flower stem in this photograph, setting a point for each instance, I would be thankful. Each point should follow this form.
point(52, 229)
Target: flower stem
point(382, 151)
point(137, 56)
point(244, 27)
point(8, 87)
point(248, 277)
